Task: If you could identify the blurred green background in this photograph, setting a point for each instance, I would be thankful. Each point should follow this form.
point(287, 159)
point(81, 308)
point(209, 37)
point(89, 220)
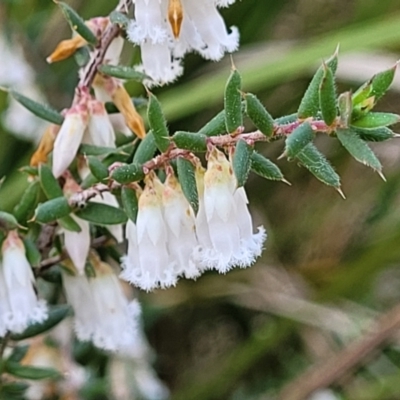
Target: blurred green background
point(330, 267)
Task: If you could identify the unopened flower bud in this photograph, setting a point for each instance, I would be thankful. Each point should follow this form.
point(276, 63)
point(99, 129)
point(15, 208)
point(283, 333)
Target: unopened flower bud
point(66, 48)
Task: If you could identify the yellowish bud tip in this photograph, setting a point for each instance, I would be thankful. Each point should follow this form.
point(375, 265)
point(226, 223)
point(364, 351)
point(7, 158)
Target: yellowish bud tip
point(66, 48)
point(132, 118)
point(45, 146)
point(175, 16)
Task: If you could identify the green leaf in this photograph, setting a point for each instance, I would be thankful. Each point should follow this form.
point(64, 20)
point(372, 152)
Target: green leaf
point(13, 390)
point(40, 110)
point(92, 150)
point(51, 210)
point(309, 105)
point(375, 134)
point(82, 56)
point(69, 224)
point(49, 183)
point(56, 314)
point(25, 208)
point(376, 120)
point(27, 372)
point(128, 173)
point(146, 149)
point(286, 119)
point(358, 148)
point(233, 102)
point(265, 168)
point(119, 19)
point(345, 106)
point(319, 166)
point(52, 275)
point(122, 72)
point(214, 127)
point(18, 353)
point(77, 23)
point(298, 139)
point(8, 221)
point(327, 96)
point(187, 179)
point(157, 123)
point(382, 81)
point(97, 168)
point(32, 253)
point(102, 214)
point(130, 203)
point(242, 161)
point(260, 117)
point(190, 141)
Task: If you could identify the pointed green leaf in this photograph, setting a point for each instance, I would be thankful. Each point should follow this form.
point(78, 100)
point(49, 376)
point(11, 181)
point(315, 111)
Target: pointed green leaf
point(119, 19)
point(157, 123)
point(25, 208)
point(102, 214)
point(382, 81)
point(40, 110)
point(376, 120)
point(146, 149)
point(14, 390)
point(52, 275)
point(82, 56)
point(18, 353)
point(92, 150)
point(32, 252)
point(327, 96)
point(122, 72)
point(190, 141)
point(97, 168)
point(375, 134)
point(49, 183)
point(358, 148)
point(8, 221)
point(56, 314)
point(298, 139)
point(130, 203)
point(128, 173)
point(52, 210)
point(214, 127)
point(345, 108)
point(286, 119)
point(242, 161)
point(309, 105)
point(69, 224)
point(265, 168)
point(260, 117)
point(77, 23)
point(27, 372)
point(186, 175)
point(233, 102)
point(319, 166)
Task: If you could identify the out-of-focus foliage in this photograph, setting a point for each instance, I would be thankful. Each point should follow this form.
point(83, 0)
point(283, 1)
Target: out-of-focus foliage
point(330, 265)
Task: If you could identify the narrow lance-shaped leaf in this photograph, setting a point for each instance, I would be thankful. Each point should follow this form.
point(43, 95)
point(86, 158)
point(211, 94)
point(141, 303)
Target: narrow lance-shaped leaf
point(146, 149)
point(157, 123)
point(298, 139)
point(309, 105)
point(49, 183)
point(265, 168)
point(97, 168)
point(69, 224)
point(8, 221)
point(186, 175)
point(52, 210)
point(260, 117)
point(327, 96)
point(319, 166)
point(32, 252)
point(92, 150)
point(40, 110)
point(18, 353)
point(376, 120)
point(242, 161)
point(345, 108)
point(375, 134)
point(56, 315)
point(27, 372)
point(122, 72)
point(130, 203)
point(214, 127)
point(286, 119)
point(102, 214)
point(25, 208)
point(128, 173)
point(77, 23)
point(232, 102)
point(358, 149)
point(190, 141)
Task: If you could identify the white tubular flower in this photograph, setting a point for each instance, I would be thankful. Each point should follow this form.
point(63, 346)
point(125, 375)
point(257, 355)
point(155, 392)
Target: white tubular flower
point(148, 264)
point(102, 312)
point(69, 137)
point(180, 221)
point(99, 131)
point(17, 281)
point(109, 199)
point(223, 224)
point(167, 29)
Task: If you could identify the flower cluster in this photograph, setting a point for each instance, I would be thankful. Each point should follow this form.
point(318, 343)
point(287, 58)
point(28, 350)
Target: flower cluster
point(166, 30)
point(169, 241)
point(19, 305)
